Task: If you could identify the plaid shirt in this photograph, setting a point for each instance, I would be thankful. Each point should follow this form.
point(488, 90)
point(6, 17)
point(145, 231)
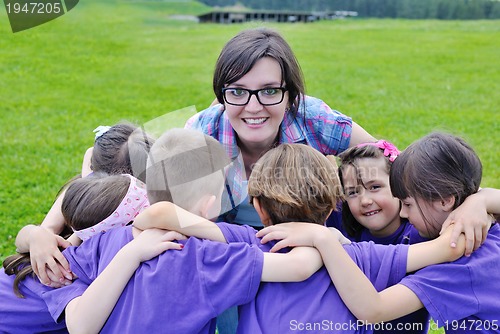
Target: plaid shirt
point(316, 125)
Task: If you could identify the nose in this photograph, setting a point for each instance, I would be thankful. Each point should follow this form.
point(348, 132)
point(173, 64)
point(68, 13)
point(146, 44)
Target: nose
point(364, 198)
point(403, 213)
point(253, 104)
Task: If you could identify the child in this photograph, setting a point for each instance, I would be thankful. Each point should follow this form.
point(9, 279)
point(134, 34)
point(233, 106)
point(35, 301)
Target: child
point(86, 204)
point(176, 291)
point(120, 149)
point(370, 212)
point(294, 182)
point(431, 177)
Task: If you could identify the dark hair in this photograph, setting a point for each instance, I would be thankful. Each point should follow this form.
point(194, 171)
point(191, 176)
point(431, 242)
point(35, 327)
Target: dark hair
point(92, 199)
point(241, 53)
point(436, 167)
point(87, 201)
point(295, 182)
point(123, 149)
point(177, 159)
point(350, 157)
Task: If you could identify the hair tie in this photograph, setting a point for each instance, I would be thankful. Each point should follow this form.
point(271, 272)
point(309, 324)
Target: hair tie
point(134, 202)
point(388, 148)
point(100, 130)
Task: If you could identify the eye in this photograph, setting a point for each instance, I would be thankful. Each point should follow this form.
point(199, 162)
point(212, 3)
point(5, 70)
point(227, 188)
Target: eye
point(351, 193)
point(269, 91)
point(236, 92)
point(375, 187)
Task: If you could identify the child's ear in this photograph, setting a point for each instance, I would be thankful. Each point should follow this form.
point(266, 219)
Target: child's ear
point(264, 217)
point(448, 203)
point(206, 206)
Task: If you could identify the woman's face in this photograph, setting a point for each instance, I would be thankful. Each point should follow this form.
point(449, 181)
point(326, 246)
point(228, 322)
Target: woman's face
point(257, 125)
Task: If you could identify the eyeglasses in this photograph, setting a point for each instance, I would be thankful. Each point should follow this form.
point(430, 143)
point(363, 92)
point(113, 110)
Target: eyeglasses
point(266, 96)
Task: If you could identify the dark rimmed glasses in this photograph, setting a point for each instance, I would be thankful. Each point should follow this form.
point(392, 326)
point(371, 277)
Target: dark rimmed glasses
point(266, 96)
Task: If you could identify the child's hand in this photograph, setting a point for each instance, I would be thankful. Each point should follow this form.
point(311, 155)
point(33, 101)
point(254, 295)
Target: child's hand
point(292, 234)
point(153, 242)
point(47, 261)
point(472, 219)
point(340, 237)
point(459, 249)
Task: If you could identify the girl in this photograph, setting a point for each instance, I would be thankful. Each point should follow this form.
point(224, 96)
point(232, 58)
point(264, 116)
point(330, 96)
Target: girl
point(431, 177)
point(370, 212)
point(90, 205)
point(122, 148)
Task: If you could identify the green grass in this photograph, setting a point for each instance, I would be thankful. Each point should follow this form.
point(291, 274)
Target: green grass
point(108, 61)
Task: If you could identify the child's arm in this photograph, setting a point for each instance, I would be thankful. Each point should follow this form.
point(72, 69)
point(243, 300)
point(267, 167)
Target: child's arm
point(168, 216)
point(88, 312)
point(295, 266)
point(353, 286)
point(86, 164)
point(472, 218)
point(43, 242)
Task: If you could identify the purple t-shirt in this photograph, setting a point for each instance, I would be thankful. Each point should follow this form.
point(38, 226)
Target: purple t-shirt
point(29, 314)
point(463, 296)
point(314, 305)
point(178, 291)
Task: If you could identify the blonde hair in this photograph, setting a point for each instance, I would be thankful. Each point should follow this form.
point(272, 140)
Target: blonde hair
point(183, 166)
point(295, 182)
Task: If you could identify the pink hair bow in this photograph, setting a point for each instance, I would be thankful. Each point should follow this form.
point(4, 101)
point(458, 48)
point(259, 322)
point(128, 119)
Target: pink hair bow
point(389, 149)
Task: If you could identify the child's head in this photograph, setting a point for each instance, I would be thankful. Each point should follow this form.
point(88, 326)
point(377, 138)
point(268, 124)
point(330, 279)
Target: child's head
point(91, 205)
point(241, 53)
point(294, 183)
point(100, 202)
point(121, 149)
point(186, 167)
point(364, 174)
point(433, 176)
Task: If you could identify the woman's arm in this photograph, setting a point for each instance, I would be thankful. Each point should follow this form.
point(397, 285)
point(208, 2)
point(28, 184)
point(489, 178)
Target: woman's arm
point(168, 216)
point(89, 312)
point(359, 135)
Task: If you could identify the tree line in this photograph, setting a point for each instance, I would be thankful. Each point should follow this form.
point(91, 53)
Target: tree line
point(410, 9)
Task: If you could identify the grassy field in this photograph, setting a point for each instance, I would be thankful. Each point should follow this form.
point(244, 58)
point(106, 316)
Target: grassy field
point(109, 61)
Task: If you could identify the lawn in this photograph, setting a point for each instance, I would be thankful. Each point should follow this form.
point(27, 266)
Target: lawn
point(108, 61)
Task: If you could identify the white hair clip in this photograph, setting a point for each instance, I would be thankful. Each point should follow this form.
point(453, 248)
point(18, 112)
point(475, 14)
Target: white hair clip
point(100, 130)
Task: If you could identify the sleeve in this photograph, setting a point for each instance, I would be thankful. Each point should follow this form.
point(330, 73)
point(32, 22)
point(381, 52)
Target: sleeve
point(384, 265)
point(442, 287)
point(239, 233)
point(231, 273)
point(328, 130)
point(206, 120)
point(57, 299)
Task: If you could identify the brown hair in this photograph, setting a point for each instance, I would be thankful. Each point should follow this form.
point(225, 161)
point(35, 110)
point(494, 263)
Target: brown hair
point(123, 149)
point(295, 182)
point(241, 53)
point(87, 201)
point(436, 167)
point(92, 199)
point(350, 157)
point(182, 167)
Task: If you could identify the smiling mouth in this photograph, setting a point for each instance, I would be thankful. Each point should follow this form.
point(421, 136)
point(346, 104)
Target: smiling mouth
point(371, 213)
point(255, 121)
